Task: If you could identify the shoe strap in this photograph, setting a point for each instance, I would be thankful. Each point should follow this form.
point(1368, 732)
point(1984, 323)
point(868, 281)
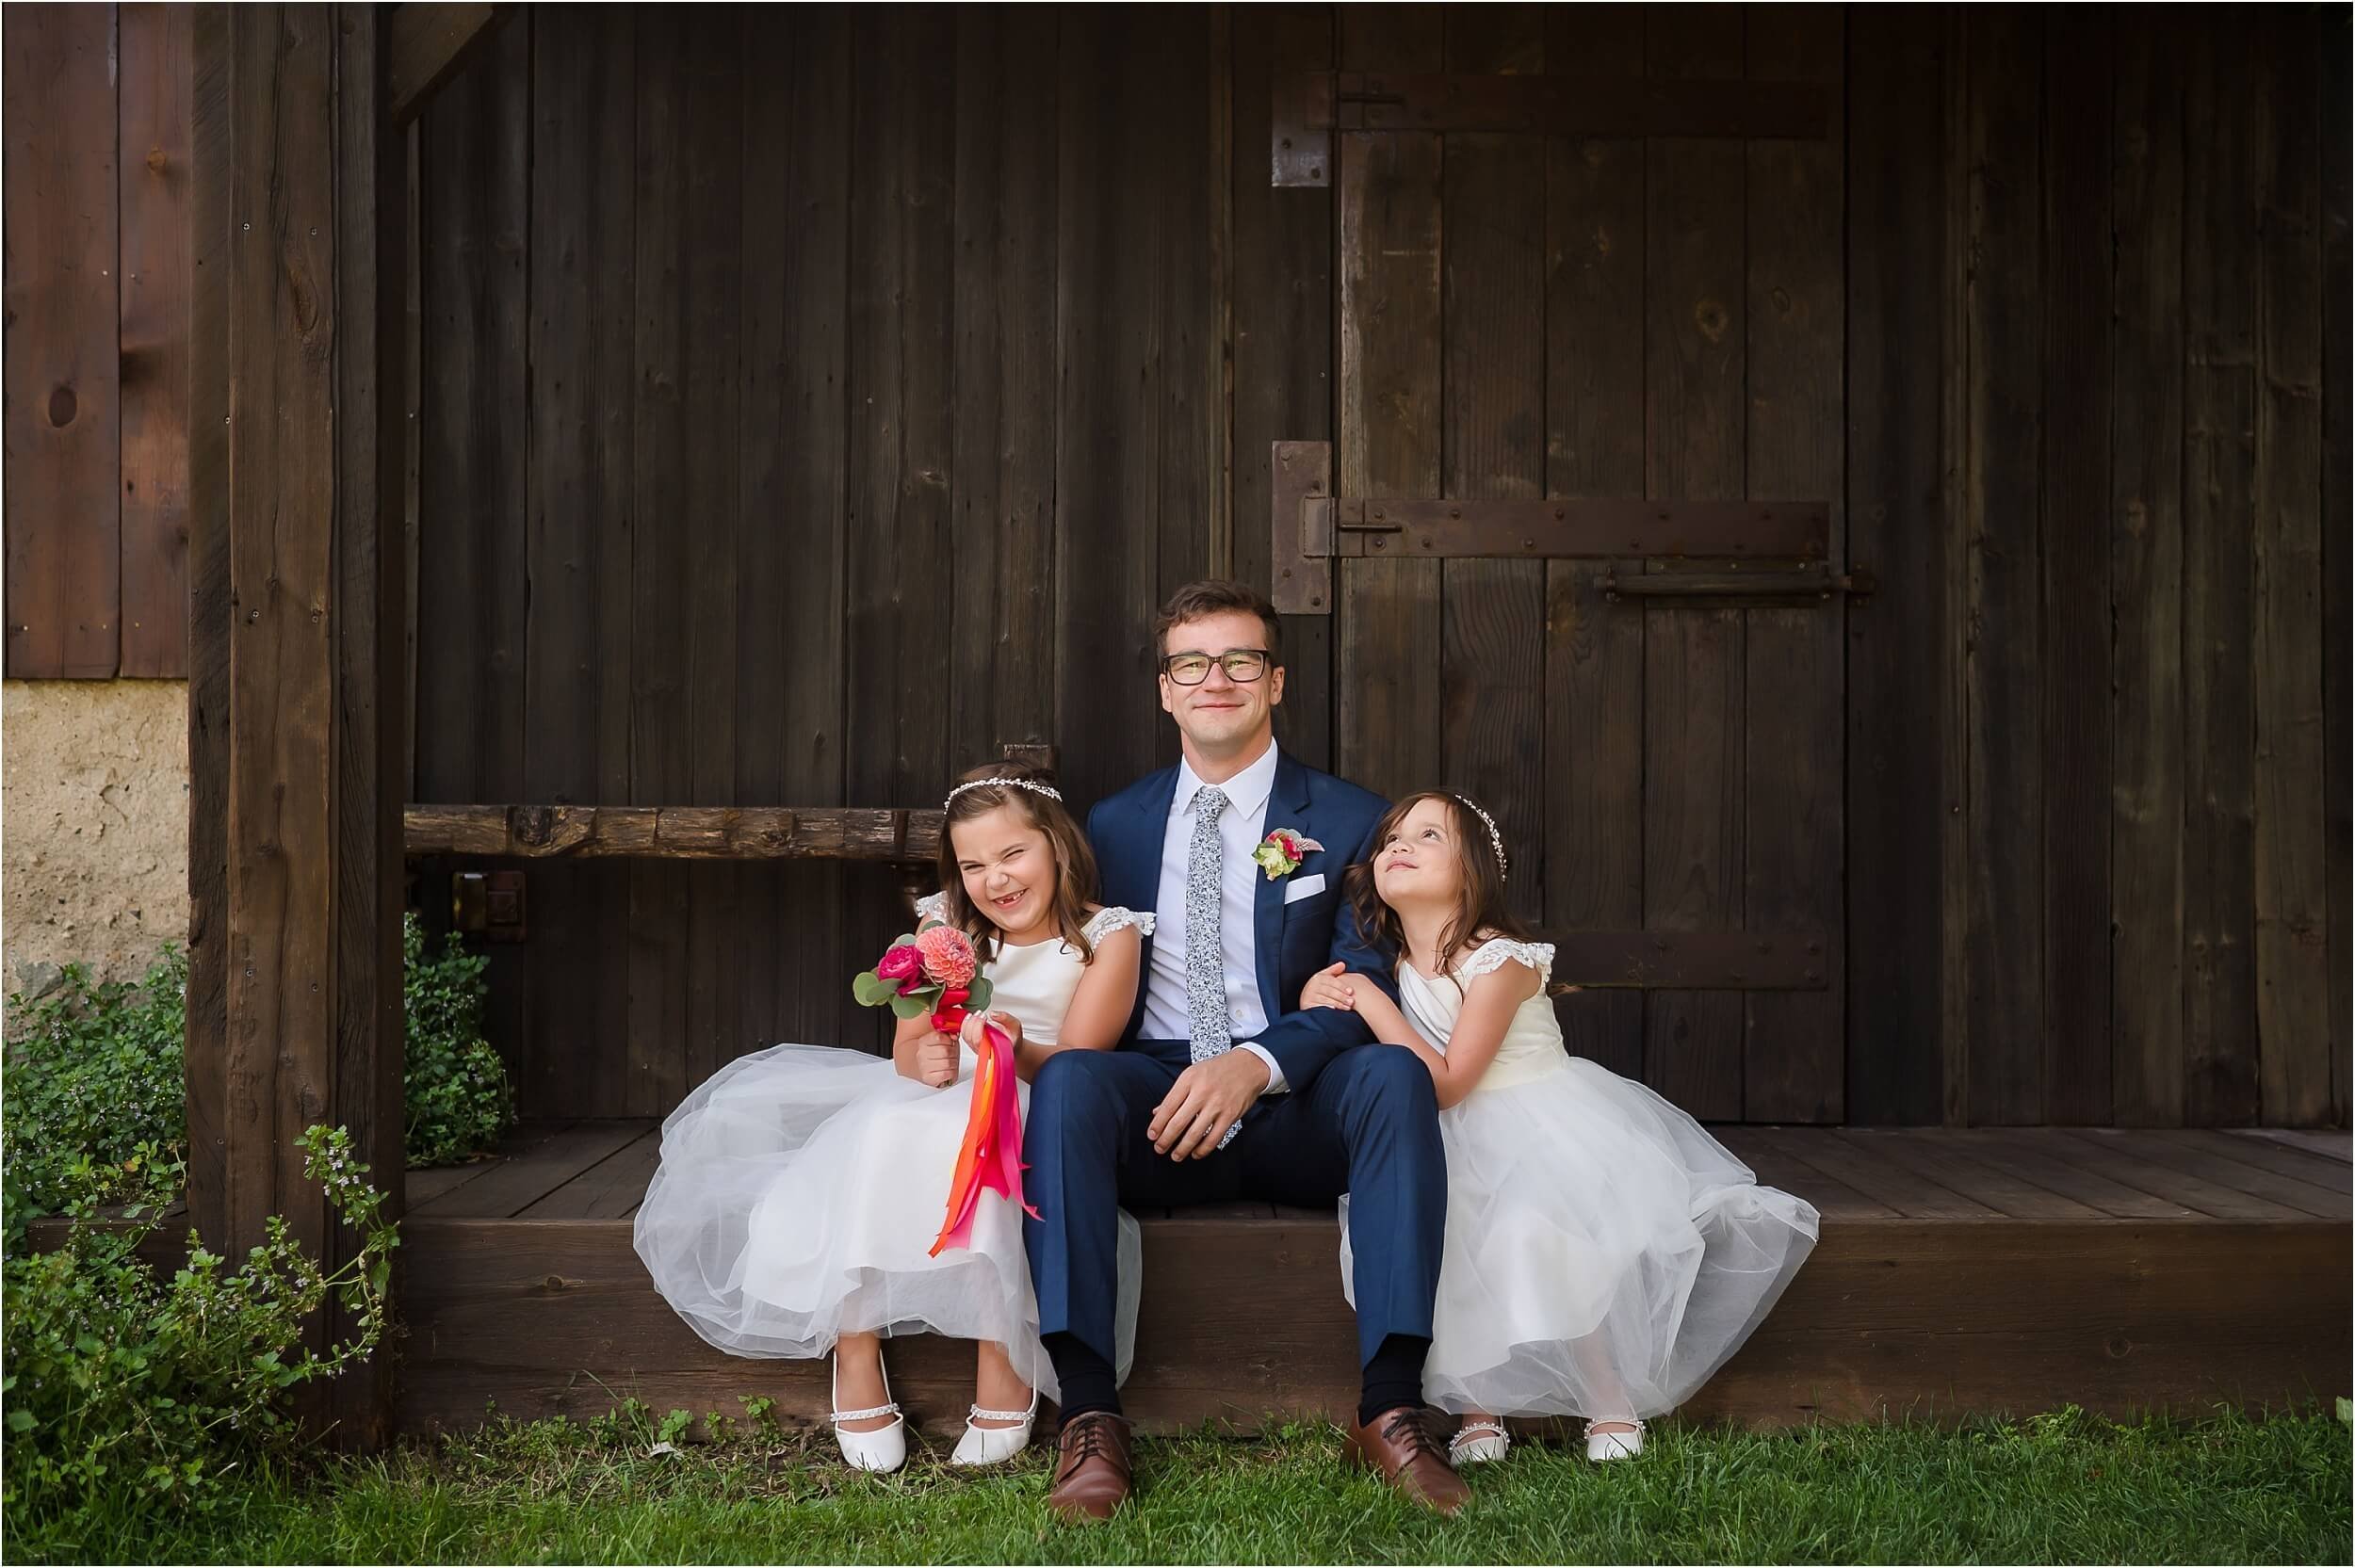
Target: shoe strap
point(841, 1416)
point(978, 1414)
point(1617, 1420)
point(1472, 1429)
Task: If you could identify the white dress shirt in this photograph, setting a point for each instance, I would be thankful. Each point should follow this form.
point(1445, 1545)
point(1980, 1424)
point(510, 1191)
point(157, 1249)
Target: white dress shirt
point(1168, 1015)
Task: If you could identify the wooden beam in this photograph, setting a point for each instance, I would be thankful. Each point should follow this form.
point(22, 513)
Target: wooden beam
point(294, 746)
point(426, 44)
point(673, 833)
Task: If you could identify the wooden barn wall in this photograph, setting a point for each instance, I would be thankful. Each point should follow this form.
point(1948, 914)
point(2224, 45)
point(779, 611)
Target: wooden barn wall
point(812, 401)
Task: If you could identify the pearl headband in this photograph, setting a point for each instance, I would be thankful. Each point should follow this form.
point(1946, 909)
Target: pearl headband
point(1496, 839)
point(1049, 791)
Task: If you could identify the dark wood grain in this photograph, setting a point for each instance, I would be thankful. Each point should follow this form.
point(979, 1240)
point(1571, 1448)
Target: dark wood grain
point(2303, 1165)
point(211, 616)
point(1003, 490)
point(1931, 1153)
point(278, 1073)
point(610, 1189)
point(153, 79)
point(550, 1161)
point(1576, 102)
point(1283, 353)
point(675, 833)
point(428, 44)
point(1388, 703)
point(2146, 829)
point(2164, 1174)
point(1181, 166)
point(2004, 459)
point(2074, 552)
point(63, 421)
point(1869, 1169)
point(791, 557)
point(710, 278)
point(661, 672)
point(2293, 1045)
point(1492, 443)
point(2338, 532)
point(1792, 1060)
point(1695, 362)
point(1897, 738)
point(2025, 1153)
point(576, 667)
point(1593, 866)
point(2220, 502)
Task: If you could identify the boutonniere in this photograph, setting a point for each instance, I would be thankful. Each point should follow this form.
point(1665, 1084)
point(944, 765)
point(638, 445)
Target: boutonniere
point(1280, 853)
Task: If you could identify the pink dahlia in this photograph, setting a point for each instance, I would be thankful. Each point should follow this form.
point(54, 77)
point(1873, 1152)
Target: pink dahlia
point(901, 965)
point(948, 955)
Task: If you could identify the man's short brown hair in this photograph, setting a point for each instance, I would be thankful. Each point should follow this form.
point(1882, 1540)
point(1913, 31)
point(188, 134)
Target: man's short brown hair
point(1217, 596)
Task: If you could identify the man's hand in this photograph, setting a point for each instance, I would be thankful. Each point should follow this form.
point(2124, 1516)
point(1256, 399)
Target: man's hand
point(1329, 988)
point(1207, 1099)
point(935, 1060)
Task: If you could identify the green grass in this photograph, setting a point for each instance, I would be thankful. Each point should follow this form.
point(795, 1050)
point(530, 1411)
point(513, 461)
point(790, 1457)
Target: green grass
point(2063, 1488)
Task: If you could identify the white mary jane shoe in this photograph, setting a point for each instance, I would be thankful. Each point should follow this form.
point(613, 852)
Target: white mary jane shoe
point(883, 1449)
point(995, 1445)
point(1478, 1443)
point(1614, 1445)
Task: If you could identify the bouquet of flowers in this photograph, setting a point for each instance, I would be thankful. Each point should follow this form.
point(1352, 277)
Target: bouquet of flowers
point(936, 971)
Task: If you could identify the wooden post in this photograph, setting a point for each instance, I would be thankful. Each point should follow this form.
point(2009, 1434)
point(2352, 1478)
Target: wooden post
point(295, 1006)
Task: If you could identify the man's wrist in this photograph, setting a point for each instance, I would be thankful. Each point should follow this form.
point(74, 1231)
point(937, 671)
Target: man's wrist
point(1276, 1084)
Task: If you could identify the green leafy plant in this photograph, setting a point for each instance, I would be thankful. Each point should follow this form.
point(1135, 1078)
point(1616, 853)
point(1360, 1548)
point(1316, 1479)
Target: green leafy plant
point(120, 1382)
point(459, 1098)
point(96, 1095)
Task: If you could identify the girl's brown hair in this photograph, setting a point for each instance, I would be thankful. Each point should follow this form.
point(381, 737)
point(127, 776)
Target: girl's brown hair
point(1075, 862)
point(1480, 906)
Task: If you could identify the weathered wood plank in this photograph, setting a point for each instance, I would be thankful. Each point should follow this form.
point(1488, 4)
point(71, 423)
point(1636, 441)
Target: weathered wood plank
point(1595, 246)
point(711, 283)
point(1003, 490)
point(2002, 465)
point(1283, 353)
point(1848, 1156)
point(610, 1188)
point(552, 1316)
point(2284, 1159)
point(2338, 532)
point(1695, 361)
point(675, 833)
point(1388, 698)
point(1933, 1154)
point(1576, 102)
point(547, 1161)
point(2109, 1153)
point(661, 607)
point(1180, 169)
point(279, 1071)
point(1834, 1200)
point(211, 616)
point(2328, 1145)
point(1492, 444)
point(791, 573)
point(152, 116)
point(2219, 501)
point(2189, 1151)
point(2074, 551)
point(2147, 579)
point(1792, 1060)
point(426, 44)
point(576, 665)
point(63, 432)
point(2024, 1152)
point(2293, 1046)
point(369, 588)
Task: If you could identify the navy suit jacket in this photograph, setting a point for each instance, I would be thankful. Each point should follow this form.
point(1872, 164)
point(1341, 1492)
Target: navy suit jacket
point(1292, 941)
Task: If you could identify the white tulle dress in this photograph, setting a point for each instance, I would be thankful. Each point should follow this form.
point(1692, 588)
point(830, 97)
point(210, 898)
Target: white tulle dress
point(801, 1188)
point(1604, 1254)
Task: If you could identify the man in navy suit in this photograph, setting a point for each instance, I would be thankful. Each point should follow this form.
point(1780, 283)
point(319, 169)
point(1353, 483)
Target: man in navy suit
point(1223, 1088)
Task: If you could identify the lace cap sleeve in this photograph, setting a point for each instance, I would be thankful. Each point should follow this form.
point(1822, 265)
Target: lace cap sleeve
point(932, 906)
point(1497, 952)
point(1113, 918)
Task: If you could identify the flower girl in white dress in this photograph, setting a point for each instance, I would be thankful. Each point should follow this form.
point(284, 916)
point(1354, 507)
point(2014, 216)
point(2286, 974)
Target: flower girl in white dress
point(1604, 1253)
point(801, 1186)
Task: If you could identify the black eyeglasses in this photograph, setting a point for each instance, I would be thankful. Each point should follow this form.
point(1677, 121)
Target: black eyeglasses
point(1241, 664)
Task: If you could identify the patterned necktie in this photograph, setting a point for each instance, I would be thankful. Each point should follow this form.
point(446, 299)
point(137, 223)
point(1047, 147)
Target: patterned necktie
point(1206, 968)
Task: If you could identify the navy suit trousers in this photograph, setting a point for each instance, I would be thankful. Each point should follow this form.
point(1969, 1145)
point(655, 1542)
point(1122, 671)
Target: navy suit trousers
point(1367, 1125)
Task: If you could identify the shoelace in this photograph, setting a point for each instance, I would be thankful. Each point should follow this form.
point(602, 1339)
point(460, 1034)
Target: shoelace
point(1416, 1424)
point(1088, 1439)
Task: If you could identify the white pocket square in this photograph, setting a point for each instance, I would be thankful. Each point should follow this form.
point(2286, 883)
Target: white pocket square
point(1304, 887)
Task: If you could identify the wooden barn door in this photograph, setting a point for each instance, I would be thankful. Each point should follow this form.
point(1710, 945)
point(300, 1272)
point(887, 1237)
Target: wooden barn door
point(1590, 304)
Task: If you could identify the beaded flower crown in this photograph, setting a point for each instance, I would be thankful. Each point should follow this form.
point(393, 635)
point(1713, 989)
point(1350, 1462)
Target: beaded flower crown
point(1496, 839)
point(1032, 785)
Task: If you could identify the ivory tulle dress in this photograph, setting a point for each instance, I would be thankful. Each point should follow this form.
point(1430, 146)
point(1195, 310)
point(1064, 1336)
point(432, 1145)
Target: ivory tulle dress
point(1604, 1253)
point(801, 1188)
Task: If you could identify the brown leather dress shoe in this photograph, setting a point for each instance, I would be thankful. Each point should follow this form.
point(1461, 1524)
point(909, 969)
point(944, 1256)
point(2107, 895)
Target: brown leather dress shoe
point(1093, 1471)
point(1401, 1445)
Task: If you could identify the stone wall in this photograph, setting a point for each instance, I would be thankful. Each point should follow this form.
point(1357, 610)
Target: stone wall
point(93, 825)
